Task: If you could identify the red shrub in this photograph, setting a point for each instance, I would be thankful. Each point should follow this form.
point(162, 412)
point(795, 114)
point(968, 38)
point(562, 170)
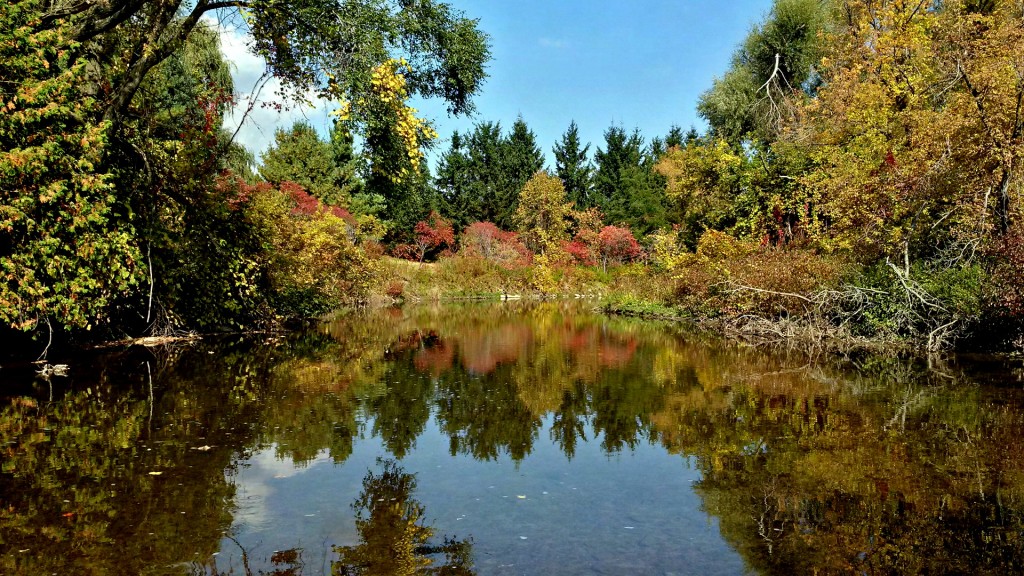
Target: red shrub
point(487, 241)
point(433, 233)
point(405, 252)
point(373, 249)
point(617, 245)
point(395, 290)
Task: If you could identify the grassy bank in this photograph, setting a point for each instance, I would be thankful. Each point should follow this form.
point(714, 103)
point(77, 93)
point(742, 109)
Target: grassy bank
point(756, 295)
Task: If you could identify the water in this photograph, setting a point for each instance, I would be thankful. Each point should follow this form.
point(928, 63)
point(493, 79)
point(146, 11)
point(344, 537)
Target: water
point(508, 439)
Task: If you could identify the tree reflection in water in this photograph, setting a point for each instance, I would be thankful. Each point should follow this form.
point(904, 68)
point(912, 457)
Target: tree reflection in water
point(392, 538)
point(828, 465)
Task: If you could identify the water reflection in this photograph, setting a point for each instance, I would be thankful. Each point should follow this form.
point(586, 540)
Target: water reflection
point(393, 540)
point(134, 463)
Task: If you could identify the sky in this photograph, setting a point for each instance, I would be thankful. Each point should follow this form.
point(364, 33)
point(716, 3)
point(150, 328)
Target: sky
point(630, 63)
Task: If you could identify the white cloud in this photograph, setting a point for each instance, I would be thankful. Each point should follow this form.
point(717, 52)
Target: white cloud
point(261, 96)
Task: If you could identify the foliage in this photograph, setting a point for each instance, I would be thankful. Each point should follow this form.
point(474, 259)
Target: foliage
point(299, 155)
point(394, 135)
point(772, 68)
point(1006, 291)
point(432, 234)
point(289, 256)
point(542, 213)
point(66, 247)
point(111, 138)
point(583, 248)
point(735, 277)
point(617, 245)
point(625, 188)
point(702, 181)
point(480, 176)
point(573, 167)
point(916, 128)
point(667, 251)
point(487, 241)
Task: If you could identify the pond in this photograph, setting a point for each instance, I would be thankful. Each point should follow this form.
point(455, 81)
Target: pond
point(517, 438)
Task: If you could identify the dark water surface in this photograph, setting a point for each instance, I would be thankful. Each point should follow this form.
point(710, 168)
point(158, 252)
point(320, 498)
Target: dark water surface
point(508, 439)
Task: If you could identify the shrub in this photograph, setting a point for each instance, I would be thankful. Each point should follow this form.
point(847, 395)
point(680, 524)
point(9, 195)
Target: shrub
point(312, 264)
point(432, 234)
point(487, 241)
point(667, 250)
point(617, 245)
point(581, 252)
point(406, 252)
point(395, 290)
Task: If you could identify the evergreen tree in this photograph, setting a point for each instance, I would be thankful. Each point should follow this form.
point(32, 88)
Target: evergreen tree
point(299, 155)
point(520, 159)
point(480, 177)
point(630, 193)
point(453, 183)
point(609, 164)
point(675, 136)
point(486, 155)
point(573, 167)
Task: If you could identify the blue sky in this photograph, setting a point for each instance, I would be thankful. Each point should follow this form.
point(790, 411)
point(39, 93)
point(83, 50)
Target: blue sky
point(631, 63)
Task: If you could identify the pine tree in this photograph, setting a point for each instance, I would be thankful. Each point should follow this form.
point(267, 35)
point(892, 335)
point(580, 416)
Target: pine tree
point(521, 158)
point(573, 167)
point(629, 192)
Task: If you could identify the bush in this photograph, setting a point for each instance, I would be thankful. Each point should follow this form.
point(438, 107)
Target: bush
point(731, 276)
point(487, 241)
point(395, 290)
point(617, 245)
point(312, 265)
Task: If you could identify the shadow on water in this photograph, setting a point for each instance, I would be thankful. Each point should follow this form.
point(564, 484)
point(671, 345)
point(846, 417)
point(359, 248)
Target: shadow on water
point(138, 461)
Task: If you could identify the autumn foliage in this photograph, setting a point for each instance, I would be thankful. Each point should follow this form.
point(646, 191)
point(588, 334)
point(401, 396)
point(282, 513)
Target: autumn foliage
point(433, 234)
point(487, 241)
point(617, 245)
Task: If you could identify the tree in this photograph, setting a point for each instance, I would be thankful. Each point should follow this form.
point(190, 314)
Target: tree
point(520, 159)
point(480, 176)
point(701, 180)
point(114, 182)
point(618, 153)
point(542, 213)
point(626, 189)
point(483, 171)
point(676, 137)
point(453, 183)
point(573, 167)
point(774, 65)
point(917, 129)
point(299, 155)
point(773, 73)
point(66, 251)
point(433, 233)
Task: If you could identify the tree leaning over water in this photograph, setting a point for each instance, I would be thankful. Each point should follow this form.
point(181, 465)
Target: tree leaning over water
point(85, 176)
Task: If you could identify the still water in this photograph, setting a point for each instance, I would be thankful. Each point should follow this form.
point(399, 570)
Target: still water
point(508, 439)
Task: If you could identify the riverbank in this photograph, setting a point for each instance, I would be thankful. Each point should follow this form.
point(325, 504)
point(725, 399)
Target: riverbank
point(790, 298)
